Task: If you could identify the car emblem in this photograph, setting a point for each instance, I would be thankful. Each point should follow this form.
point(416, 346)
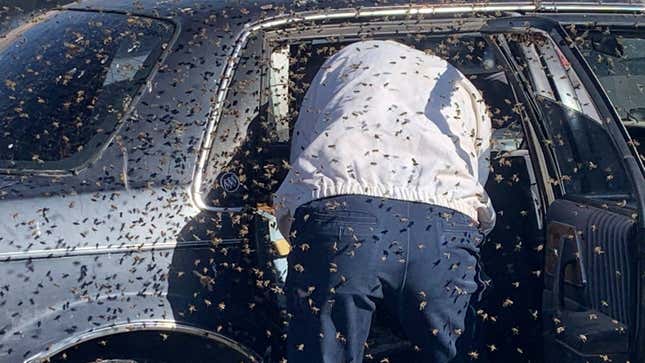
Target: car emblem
point(230, 182)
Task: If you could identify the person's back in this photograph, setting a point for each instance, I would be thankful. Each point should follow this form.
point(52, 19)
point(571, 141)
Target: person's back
point(384, 119)
point(388, 162)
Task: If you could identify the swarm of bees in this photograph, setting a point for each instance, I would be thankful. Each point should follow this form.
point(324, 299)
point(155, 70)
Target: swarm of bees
point(108, 218)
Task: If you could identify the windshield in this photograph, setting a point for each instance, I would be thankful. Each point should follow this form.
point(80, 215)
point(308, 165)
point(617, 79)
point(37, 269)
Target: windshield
point(67, 79)
point(617, 58)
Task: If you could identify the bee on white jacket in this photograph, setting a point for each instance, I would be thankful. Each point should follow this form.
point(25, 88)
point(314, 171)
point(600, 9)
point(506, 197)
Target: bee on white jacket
point(387, 120)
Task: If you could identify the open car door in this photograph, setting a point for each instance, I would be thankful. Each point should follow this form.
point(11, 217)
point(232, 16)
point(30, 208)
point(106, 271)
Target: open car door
point(594, 270)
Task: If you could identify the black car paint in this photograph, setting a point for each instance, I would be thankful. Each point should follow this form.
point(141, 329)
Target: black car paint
point(83, 249)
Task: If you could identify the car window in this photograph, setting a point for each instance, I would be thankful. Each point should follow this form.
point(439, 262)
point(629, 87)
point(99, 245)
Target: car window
point(249, 156)
point(617, 58)
point(68, 78)
point(588, 163)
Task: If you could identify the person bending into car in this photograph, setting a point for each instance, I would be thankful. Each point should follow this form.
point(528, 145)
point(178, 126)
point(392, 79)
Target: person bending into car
point(384, 200)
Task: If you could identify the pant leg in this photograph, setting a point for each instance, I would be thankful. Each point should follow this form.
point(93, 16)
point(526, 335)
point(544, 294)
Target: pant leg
point(440, 279)
point(330, 284)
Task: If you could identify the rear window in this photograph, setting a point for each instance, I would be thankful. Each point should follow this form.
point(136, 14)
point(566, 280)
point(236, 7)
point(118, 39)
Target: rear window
point(67, 80)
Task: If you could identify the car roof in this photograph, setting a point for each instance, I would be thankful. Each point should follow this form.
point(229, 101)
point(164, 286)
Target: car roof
point(250, 9)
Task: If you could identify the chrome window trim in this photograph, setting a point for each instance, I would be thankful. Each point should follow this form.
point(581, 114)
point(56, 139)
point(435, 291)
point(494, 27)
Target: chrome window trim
point(141, 325)
point(40, 254)
point(367, 12)
point(533, 186)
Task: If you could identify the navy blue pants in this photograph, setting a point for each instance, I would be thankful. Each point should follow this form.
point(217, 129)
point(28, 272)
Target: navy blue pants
point(348, 251)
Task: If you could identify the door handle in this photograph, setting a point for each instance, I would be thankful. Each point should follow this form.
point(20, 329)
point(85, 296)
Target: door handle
point(569, 249)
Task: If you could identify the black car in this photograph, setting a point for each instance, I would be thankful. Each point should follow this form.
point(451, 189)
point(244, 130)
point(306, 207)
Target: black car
point(140, 143)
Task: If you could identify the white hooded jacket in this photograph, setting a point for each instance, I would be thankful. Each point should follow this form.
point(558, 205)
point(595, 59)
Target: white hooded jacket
point(386, 120)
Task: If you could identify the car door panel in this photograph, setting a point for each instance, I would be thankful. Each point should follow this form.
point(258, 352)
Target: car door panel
point(590, 298)
point(589, 279)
